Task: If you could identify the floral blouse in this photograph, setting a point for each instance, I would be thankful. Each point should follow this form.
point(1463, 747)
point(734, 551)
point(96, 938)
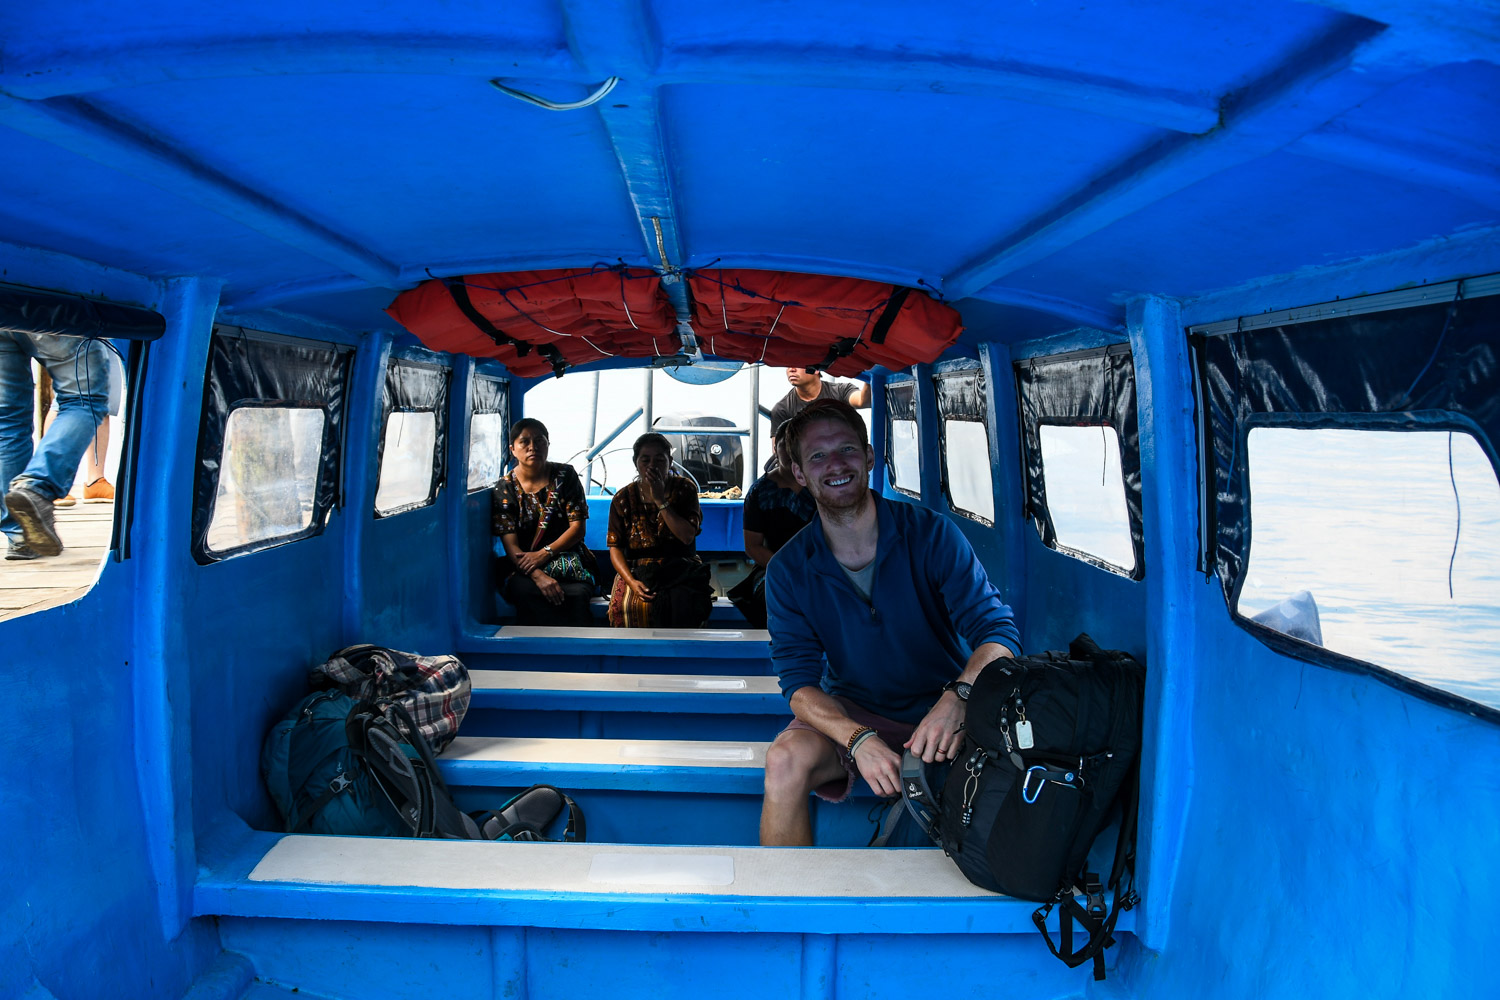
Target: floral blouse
point(560, 503)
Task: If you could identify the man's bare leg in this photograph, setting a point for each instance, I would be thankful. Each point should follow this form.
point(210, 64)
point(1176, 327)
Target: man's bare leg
point(97, 452)
point(799, 761)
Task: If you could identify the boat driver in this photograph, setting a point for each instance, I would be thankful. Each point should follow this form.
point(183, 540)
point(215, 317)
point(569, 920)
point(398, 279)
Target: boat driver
point(881, 616)
point(809, 386)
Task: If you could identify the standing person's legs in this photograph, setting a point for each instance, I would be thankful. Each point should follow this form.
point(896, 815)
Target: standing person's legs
point(98, 489)
point(17, 401)
point(81, 380)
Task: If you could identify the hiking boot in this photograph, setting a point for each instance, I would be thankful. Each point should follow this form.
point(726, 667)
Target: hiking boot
point(33, 512)
point(99, 491)
point(19, 550)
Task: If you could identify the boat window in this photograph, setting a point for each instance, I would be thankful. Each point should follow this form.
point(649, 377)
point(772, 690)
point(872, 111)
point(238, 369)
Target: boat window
point(901, 461)
point(604, 412)
point(406, 464)
point(965, 439)
point(1380, 545)
point(270, 441)
point(269, 477)
point(1082, 455)
point(1086, 493)
point(1329, 497)
point(488, 423)
point(413, 438)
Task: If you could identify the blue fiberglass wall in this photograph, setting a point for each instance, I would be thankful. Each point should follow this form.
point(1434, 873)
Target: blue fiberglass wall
point(90, 892)
point(1341, 834)
point(1306, 832)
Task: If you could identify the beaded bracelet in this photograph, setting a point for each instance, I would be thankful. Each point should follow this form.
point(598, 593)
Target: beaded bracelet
point(854, 745)
point(855, 737)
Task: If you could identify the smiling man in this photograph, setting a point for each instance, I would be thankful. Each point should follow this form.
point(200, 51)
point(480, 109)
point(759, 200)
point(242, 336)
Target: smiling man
point(881, 617)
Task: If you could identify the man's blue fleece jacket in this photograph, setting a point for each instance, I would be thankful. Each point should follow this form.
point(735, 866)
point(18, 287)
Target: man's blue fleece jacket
point(930, 605)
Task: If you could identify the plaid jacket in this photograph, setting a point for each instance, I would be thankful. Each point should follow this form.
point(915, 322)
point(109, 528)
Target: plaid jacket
point(434, 690)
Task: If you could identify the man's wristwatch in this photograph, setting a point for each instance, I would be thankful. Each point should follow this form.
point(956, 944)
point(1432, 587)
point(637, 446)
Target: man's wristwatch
point(960, 688)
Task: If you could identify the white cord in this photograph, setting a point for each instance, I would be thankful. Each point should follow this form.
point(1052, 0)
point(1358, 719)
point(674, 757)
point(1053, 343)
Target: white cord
point(541, 102)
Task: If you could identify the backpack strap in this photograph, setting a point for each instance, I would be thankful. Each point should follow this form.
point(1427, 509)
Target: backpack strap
point(520, 820)
point(1098, 919)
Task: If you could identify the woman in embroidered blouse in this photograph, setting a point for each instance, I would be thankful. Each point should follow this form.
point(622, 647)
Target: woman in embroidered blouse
point(659, 578)
point(538, 520)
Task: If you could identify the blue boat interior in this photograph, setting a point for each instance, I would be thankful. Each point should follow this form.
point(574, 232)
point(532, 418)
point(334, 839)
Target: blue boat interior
point(1149, 215)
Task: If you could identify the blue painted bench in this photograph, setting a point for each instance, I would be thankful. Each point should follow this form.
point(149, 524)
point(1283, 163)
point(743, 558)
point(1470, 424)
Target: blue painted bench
point(625, 706)
point(738, 651)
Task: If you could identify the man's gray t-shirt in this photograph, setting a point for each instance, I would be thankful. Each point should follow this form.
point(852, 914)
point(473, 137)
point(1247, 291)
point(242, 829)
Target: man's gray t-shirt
point(792, 404)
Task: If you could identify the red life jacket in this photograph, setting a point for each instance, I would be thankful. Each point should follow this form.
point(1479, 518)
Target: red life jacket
point(537, 322)
point(842, 325)
point(541, 322)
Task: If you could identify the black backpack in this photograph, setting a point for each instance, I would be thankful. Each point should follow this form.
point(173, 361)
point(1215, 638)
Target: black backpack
point(1050, 756)
point(339, 766)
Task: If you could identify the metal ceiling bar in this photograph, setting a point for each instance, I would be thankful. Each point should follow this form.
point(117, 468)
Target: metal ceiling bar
point(617, 40)
point(1405, 298)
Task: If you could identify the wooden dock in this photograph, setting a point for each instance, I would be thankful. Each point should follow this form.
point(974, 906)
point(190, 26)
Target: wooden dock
point(36, 584)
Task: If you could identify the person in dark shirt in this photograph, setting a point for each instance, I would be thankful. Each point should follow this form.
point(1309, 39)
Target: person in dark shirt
point(776, 508)
point(538, 517)
point(808, 386)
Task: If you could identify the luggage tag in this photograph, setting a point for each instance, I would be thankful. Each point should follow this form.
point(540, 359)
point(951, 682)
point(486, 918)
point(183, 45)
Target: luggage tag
point(1024, 739)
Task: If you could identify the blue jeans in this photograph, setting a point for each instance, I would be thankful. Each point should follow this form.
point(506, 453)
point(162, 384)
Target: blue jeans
point(80, 381)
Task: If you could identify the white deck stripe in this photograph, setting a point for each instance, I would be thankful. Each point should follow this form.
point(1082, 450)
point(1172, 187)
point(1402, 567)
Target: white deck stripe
point(661, 753)
point(546, 680)
point(520, 867)
point(631, 634)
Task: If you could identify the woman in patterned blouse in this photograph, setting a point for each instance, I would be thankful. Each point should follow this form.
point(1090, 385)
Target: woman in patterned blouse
point(660, 580)
point(538, 520)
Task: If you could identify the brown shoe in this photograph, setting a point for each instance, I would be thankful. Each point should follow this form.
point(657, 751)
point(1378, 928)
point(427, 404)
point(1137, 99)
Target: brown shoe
point(99, 491)
point(66, 501)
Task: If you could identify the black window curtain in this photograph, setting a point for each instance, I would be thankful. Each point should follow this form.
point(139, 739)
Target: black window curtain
point(490, 395)
point(412, 386)
point(30, 310)
point(1089, 388)
point(1425, 367)
point(250, 368)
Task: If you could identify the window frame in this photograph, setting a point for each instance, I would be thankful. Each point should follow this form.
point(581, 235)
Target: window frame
point(964, 370)
point(242, 370)
point(1371, 397)
point(415, 385)
point(1092, 558)
point(906, 382)
point(499, 403)
point(1110, 402)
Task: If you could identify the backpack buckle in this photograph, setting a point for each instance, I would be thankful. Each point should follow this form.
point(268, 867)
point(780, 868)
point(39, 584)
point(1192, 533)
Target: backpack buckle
point(339, 783)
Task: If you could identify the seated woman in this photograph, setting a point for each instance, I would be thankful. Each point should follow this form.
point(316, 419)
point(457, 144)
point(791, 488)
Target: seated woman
point(660, 580)
point(776, 508)
point(538, 520)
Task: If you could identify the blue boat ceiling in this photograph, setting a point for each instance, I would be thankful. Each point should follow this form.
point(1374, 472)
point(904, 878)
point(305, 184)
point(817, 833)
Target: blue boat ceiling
point(1038, 164)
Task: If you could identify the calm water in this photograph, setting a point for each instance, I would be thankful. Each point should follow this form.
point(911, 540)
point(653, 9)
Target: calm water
point(1366, 521)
